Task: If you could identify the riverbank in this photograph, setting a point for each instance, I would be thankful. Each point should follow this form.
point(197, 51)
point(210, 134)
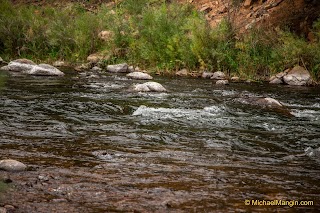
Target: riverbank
point(158, 37)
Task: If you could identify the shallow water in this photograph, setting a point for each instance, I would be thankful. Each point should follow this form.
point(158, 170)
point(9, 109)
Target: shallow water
point(193, 149)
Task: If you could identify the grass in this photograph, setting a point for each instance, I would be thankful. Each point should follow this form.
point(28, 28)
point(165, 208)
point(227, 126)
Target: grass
point(154, 35)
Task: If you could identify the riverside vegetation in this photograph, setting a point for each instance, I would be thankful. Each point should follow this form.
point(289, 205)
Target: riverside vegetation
point(152, 34)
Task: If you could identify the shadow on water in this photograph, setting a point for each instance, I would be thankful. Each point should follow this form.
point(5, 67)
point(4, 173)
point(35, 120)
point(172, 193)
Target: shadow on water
point(93, 146)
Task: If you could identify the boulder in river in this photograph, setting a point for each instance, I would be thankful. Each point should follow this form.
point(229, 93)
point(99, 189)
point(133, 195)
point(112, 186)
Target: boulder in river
point(218, 76)
point(12, 165)
point(44, 70)
point(26, 66)
point(139, 76)
point(118, 68)
point(149, 87)
point(19, 65)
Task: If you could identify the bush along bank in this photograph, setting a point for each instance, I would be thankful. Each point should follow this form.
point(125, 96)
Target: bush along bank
point(156, 36)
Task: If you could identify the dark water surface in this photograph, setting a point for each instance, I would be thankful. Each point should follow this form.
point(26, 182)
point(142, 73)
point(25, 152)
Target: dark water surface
point(193, 149)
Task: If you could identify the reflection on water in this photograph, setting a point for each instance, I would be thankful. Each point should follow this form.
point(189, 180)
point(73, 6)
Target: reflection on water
point(192, 149)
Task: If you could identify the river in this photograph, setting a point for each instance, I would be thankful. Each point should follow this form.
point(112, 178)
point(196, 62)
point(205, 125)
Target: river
point(97, 146)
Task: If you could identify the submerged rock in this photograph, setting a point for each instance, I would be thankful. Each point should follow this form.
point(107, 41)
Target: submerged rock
point(118, 68)
point(96, 69)
point(12, 165)
point(268, 102)
point(222, 82)
point(139, 76)
point(149, 87)
point(310, 152)
point(263, 102)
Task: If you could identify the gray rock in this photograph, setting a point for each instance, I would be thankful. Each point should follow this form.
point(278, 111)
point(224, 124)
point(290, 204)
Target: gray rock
point(139, 76)
point(268, 102)
point(235, 79)
point(183, 72)
point(312, 152)
point(218, 76)
point(96, 57)
point(12, 165)
point(207, 74)
point(298, 76)
point(275, 81)
point(96, 69)
point(19, 65)
point(83, 67)
point(59, 64)
point(278, 78)
point(222, 82)
point(149, 87)
point(118, 68)
point(44, 70)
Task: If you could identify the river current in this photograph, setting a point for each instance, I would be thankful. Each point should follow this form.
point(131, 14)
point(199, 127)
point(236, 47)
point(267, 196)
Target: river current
point(192, 149)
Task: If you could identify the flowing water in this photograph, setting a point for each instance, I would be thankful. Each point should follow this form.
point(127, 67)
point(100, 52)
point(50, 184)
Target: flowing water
point(193, 149)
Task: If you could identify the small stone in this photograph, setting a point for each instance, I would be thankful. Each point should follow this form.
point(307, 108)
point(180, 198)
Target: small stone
point(207, 74)
point(9, 207)
point(222, 82)
point(83, 67)
point(106, 35)
point(3, 210)
point(59, 200)
point(247, 3)
point(118, 68)
point(139, 76)
point(275, 80)
point(235, 79)
point(96, 57)
point(59, 63)
point(96, 69)
point(183, 72)
point(12, 165)
point(218, 76)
